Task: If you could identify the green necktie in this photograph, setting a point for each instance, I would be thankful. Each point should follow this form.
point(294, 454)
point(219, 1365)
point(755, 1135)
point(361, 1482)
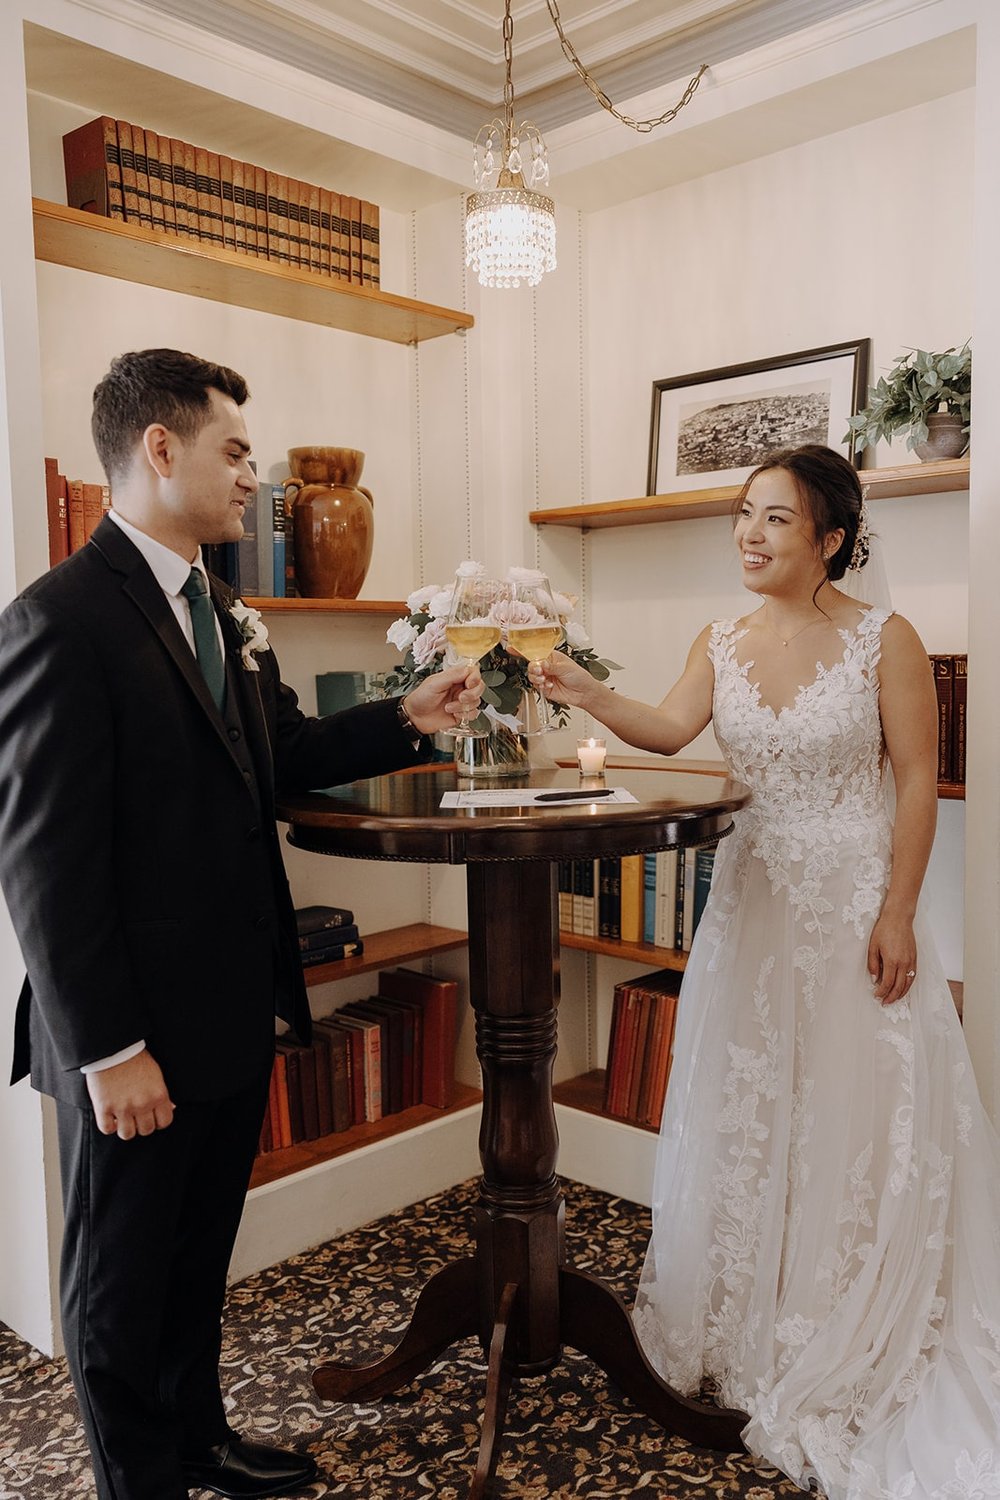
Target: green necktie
point(206, 639)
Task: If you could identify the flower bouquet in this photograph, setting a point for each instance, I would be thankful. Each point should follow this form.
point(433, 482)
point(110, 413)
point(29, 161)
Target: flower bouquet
point(420, 636)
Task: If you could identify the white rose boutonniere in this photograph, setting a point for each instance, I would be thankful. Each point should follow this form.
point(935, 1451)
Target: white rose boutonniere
point(253, 630)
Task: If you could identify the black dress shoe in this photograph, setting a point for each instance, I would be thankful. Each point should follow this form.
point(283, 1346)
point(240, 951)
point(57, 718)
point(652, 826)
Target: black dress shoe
point(248, 1471)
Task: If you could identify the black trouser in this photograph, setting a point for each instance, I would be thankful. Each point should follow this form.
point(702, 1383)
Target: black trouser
point(150, 1227)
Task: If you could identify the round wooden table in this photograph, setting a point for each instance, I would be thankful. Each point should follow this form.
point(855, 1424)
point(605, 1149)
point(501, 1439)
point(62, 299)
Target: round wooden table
point(516, 1292)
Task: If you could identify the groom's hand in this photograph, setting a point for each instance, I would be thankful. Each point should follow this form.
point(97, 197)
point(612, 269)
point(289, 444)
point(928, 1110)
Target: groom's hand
point(131, 1098)
point(441, 699)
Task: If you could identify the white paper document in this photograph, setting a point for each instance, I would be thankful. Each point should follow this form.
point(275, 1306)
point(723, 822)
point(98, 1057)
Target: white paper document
point(540, 797)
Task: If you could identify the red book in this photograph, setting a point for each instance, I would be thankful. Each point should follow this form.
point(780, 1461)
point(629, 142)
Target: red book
point(93, 510)
point(75, 523)
point(439, 1001)
point(284, 1137)
point(664, 1057)
point(290, 1051)
point(351, 1040)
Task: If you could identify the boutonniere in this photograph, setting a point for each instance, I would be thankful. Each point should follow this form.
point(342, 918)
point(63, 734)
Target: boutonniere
point(253, 632)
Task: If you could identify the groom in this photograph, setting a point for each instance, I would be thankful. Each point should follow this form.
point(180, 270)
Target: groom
point(143, 739)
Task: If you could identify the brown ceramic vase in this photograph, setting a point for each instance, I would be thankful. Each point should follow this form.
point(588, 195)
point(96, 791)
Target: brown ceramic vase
point(333, 524)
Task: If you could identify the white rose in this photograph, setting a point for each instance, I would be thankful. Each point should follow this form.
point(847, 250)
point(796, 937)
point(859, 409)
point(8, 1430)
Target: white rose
point(530, 577)
point(470, 569)
point(575, 634)
point(564, 603)
point(420, 598)
point(439, 607)
point(401, 634)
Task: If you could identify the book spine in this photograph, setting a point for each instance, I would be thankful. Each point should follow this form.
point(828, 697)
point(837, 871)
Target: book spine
point(227, 202)
point(648, 898)
point(182, 217)
point(278, 533)
point(342, 236)
point(340, 1081)
point(240, 212)
point(142, 178)
point(284, 1105)
point(191, 191)
point(666, 898)
point(92, 509)
point(164, 179)
point(944, 681)
point(246, 547)
point(322, 1048)
point(609, 1068)
point(293, 201)
point(56, 512)
point(260, 204)
point(704, 864)
point(310, 920)
point(369, 244)
point(687, 926)
point(75, 521)
point(277, 217)
point(332, 954)
point(149, 161)
point(307, 1087)
point(310, 941)
point(126, 155)
point(354, 239)
point(960, 703)
point(631, 898)
point(93, 168)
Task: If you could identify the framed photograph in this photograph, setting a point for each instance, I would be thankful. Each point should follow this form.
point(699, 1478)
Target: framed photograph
point(714, 427)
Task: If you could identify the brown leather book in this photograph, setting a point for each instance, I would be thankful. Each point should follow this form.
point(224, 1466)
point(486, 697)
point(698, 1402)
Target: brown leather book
point(310, 1100)
point(352, 1106)
point(93, 168)
point(126, 155)
point(241, 213)
point(944, 682)
point(352, 211)
point(298, 231)
point(960, 702)
point(369, 244)
point(147, 158)
point(92, 508)
point(142, 178)
point(664, 1056)
point(161, 179)
point(56, 512)
point(438, 1000)
point(277, 217)
point(391, 1052)
point(291, 1052)
point(281, 1101)
point(227, 206)
point(260, 204)
point(311, 213)
point(75, 525)
point(326, 231)
point(411, 1041)
point(340, 1076)
point(320, 1046)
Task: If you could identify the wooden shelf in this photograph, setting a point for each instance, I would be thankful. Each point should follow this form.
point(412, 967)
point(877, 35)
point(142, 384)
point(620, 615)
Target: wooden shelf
point(685, 505)
point(640, 953)
point(274, 1165)
point(586, 1092)
point(129, 252)
point(397, 945)
point(267, 605)
point(951, 791)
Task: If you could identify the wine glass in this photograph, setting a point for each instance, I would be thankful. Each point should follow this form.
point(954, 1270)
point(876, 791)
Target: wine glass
point(534, 628)
point(473, 629)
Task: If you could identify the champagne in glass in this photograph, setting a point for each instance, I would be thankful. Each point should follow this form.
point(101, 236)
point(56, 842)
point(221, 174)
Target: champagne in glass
point(534, 628)
point(472, 631)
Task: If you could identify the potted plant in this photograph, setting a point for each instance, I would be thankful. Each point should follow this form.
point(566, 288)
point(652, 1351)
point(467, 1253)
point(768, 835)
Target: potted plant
point(927, 396)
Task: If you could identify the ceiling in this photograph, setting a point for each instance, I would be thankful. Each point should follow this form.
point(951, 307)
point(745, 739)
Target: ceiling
point(442, 61)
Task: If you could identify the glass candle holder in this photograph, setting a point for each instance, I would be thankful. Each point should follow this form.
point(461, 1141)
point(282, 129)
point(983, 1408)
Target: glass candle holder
point(591, 755)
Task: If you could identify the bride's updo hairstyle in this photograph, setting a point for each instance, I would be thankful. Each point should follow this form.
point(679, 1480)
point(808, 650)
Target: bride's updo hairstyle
point(830, 490)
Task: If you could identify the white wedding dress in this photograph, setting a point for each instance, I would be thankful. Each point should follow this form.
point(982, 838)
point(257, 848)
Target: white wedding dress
point(826, 1209)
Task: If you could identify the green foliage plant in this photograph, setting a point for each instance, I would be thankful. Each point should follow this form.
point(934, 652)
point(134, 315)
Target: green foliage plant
point(918, 385)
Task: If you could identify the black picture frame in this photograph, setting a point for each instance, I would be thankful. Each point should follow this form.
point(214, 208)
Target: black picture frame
point(697, 442)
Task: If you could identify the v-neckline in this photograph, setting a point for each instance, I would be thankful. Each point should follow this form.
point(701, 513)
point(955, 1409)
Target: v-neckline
point(822, 673)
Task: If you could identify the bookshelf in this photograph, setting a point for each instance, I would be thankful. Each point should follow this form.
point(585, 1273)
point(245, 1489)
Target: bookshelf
point(295, 606)
point(396, 945)
point(129, 252)
point(686, 505)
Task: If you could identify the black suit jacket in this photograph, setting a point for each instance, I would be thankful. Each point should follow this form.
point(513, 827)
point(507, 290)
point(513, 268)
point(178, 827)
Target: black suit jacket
point(138, 850)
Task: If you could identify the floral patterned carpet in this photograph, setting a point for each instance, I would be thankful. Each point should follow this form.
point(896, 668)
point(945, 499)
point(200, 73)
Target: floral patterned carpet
point(569, 1433)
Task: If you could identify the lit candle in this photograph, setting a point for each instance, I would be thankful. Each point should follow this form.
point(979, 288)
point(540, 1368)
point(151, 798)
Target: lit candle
point(590, 756)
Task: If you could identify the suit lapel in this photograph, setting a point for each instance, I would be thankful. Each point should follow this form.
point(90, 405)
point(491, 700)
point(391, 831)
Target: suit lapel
point(139, 585)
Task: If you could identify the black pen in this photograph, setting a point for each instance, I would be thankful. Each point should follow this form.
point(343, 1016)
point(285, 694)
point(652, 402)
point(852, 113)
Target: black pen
point(583, 795)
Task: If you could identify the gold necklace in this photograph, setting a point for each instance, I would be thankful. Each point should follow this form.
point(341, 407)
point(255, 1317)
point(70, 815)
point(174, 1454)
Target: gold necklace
point(783, 639)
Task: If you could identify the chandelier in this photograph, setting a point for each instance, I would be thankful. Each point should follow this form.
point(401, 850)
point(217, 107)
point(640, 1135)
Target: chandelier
point(510, 228)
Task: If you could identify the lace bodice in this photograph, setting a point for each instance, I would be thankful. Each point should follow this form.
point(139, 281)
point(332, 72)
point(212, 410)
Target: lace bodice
point(815, 766)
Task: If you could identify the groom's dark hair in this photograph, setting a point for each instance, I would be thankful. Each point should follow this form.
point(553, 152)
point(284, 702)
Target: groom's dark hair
point(155, 385)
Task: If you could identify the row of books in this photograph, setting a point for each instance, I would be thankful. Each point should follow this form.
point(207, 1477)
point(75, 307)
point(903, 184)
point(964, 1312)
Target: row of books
point(951, 679)
point(637, 898)
point(640, 1047)
point(73, 508)
point(125, 172)
point(262, 562)
point(326, 934)
point(371, 1058)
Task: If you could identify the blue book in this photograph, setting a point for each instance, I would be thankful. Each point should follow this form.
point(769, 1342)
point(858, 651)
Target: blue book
point(278, 549)
point(649, 898)
point(246, 548)
point(704, 863)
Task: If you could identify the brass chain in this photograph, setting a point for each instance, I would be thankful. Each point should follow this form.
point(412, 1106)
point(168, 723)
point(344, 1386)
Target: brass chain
point(643, 126)
point(508, 57)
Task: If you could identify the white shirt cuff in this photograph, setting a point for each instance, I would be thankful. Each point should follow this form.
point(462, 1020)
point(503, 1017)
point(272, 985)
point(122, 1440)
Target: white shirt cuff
point(117, 1057)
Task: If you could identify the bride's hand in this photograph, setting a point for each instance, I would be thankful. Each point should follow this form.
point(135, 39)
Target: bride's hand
point(561, 679)
point(892, 958)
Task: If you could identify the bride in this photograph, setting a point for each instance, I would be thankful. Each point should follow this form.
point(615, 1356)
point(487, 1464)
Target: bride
point(826, 1210)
